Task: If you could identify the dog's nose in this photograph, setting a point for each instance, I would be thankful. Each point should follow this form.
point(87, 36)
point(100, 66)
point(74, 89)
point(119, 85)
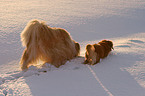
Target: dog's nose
point(112, 48)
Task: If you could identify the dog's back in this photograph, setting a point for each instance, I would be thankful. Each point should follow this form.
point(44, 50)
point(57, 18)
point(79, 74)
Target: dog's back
point(107, 45)
point(99, 50)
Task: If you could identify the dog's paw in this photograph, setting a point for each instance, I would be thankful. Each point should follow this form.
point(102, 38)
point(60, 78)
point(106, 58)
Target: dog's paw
point(85, 62)
point(32, 67)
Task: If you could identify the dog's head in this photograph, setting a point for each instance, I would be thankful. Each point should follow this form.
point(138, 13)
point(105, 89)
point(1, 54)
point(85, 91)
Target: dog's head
point(109, 43)
point(90, 55)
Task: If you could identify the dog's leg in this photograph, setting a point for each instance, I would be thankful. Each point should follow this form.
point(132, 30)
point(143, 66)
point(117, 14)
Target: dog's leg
point(24, 60)
point(93, 61)
point(56, 62)
point(86, 58)
point(97, 60)
point(59, 63)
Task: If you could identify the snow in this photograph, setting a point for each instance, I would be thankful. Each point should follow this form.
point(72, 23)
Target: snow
point(122, 73)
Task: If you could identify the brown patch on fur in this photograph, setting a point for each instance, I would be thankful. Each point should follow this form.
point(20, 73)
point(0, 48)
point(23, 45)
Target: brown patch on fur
point(51, 45)
point(98, 51)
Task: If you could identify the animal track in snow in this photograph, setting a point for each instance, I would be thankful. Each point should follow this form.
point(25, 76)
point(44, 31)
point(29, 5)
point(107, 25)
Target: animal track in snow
point(136, 41)
point(129, 43)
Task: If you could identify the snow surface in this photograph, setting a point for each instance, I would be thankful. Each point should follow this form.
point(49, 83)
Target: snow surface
point(122, 73)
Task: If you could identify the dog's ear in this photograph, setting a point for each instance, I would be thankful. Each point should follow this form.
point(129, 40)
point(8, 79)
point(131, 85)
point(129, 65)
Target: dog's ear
point(77, 47)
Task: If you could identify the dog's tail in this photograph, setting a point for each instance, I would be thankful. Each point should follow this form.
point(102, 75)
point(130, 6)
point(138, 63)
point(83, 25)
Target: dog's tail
point(33, 35)
point(90, 48)
point(30, 32)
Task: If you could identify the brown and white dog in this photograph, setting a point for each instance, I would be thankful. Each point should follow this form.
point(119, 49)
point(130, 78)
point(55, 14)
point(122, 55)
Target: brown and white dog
point(97, 51)
point(51, 45)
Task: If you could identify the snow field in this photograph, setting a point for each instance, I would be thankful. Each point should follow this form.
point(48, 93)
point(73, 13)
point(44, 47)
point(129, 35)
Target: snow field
point(88, 21)
point(121, 73)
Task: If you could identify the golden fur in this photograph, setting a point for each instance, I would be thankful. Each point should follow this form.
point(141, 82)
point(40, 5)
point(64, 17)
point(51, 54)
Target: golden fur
point(51, 45)
point(96, 51)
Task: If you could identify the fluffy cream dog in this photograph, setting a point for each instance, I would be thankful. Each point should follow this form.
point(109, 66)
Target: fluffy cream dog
point(51, 45)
